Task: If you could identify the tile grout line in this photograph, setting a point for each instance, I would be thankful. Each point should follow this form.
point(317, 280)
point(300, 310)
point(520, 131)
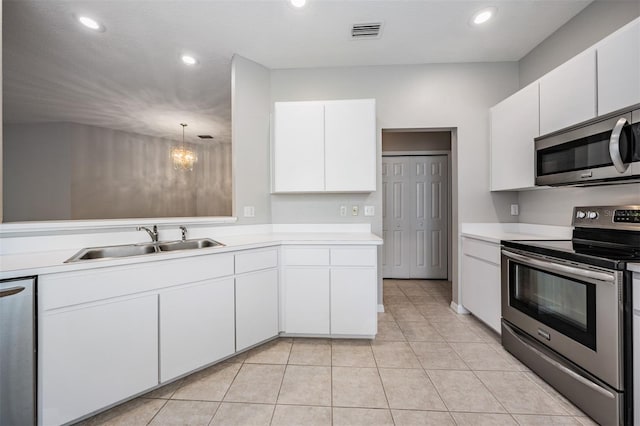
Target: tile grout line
point(286, 366)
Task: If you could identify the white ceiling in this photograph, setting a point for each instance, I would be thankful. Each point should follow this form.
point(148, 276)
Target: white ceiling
point(129, 77)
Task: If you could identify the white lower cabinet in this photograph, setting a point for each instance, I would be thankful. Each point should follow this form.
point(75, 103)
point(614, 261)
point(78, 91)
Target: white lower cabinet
point(306, 300)
point(354, 297)
point(481, 280)
point(197, 326)
point(329, 291)
point(93, 356)
point(256, 307)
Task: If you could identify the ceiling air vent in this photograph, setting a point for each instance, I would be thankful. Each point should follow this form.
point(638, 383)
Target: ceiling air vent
point(366, 31)
point(205, 136)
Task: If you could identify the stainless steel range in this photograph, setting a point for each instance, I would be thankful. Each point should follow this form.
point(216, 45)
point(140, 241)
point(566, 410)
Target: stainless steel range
point(566, 309)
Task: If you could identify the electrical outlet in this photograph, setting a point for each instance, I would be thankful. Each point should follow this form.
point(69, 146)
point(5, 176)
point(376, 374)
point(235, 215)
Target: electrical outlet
point(354, 211)
point(249, 211)
point(515, 210)
point(343, 210)
point(369, 210)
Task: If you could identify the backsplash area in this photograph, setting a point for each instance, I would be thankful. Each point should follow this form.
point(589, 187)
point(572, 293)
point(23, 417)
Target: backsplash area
point(553, 206)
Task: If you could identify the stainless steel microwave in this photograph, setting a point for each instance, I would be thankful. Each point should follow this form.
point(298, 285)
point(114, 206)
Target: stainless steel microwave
point(602, 150)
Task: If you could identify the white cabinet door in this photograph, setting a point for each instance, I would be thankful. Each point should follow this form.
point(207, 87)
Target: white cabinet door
point(481, 280)
point(350, 145)
point(306, 300)
point(256, 307)
point(93, 356)
point(354, 301)
point(196, 326)
point(515, 122)
point(568, 93)
point(298, 151)
point(619, 69)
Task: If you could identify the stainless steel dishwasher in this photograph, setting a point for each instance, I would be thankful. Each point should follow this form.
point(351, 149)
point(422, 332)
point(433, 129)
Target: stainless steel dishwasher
point(17, 352)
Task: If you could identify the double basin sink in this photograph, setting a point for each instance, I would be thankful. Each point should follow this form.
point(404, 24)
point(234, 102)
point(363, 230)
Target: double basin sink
point(128, 250)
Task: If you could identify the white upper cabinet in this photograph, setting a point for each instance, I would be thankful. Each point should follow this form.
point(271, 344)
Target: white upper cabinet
point(299, 147)
point(619, 69)
point(514, 125)
point(350, 145)
point(324, 146)
point(568, 93)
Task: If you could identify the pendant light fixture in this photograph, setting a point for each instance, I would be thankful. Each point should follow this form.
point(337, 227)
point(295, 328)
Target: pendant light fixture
point(182, 157)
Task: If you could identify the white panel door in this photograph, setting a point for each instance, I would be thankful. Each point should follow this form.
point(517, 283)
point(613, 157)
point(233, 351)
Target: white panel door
point(619, 69)
point(298, 147)
point(306, 300)
point(396, 230)
point(429, 222)
point(515, 123)
point(415, 217)
point(354, 301)
point(196, 326)
point(350, 145)
point(93, 356)
point(568, 93)
point(256, 307)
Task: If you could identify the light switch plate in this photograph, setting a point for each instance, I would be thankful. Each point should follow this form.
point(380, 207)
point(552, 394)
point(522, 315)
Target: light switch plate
point(369, 210)
point(515, 210)
point(354, 210)
point(249, 211)
point(343, 210)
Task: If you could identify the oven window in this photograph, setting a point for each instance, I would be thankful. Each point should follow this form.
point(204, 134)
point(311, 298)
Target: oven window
point(562, 303)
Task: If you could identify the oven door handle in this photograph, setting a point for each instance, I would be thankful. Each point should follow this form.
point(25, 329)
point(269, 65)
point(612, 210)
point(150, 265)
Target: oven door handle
point(563, 269)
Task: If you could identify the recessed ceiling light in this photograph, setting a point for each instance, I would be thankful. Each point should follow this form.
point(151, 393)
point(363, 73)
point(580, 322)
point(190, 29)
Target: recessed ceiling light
point(298, 3)
point(189, 60)
point(483, 15)
point(90, 23)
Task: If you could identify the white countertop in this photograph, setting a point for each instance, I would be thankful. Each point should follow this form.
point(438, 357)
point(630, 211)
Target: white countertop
point(635, 267)
point(495, 232)
point(52, 261)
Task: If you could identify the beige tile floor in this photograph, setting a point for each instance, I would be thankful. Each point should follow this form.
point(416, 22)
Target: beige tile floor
point(427, 366)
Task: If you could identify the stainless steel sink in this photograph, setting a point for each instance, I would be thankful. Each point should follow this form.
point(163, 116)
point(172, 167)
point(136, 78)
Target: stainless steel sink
point(128, 250)
point(188, 244)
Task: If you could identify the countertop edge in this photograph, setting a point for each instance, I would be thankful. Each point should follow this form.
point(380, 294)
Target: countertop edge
point(53, 261)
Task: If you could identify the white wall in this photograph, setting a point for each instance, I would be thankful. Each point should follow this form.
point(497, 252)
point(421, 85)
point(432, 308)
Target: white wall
point(599, 19)
point(593, 23)
point(250, 111)
point(445, 96)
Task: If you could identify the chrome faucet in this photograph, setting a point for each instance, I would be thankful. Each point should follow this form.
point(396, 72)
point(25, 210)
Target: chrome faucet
point(153, 234)
point(183, 230)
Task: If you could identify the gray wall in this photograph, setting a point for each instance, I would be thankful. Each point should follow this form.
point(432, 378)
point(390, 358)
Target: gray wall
point(250, 106)
point(599, 19)
point(56, 171)
point(593, 23)
point(442, 96)
point(415, 141)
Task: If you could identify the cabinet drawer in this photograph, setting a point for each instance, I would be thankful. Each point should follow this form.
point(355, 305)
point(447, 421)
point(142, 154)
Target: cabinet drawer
point(354, 256)
point(305, 256)
point(256, 260)
point(482, 250)
point(58, 290)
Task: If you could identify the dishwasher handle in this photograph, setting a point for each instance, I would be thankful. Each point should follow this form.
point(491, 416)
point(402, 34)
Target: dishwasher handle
point(11, 291)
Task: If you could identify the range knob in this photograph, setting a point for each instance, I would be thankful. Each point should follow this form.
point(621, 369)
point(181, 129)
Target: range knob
point(580, 214)
point(592, 215)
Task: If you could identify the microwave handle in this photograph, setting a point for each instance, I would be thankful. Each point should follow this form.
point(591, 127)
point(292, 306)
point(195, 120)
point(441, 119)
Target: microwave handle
point(556, 267)
point(614, 146)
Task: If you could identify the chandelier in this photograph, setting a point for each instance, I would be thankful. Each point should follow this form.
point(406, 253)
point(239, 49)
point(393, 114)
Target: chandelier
point(182, 157)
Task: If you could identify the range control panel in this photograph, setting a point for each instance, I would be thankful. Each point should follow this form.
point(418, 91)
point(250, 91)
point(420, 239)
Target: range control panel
point(612, 217)
point(627, 216)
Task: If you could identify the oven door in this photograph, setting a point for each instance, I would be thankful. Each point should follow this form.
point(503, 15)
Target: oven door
point(574, 309)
